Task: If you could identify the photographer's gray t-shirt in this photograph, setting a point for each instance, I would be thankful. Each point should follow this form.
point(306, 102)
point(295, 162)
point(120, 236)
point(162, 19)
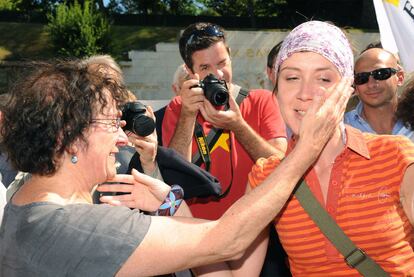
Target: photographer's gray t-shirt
point(47, 239)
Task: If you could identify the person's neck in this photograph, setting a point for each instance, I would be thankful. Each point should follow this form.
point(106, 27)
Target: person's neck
point(233, 89)
point(381, 119)
point(60, 188)
point(329, 153)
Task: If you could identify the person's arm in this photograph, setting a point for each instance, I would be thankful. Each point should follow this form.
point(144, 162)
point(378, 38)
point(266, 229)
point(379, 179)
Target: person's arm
point(194, 242)
point(249, 265)
point(232, 120)
point(279, 143)
point(143, 196)
point(175, 243)
point(192, 99)
point(407, 193)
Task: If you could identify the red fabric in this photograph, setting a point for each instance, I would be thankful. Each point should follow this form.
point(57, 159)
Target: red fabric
point(261, 112)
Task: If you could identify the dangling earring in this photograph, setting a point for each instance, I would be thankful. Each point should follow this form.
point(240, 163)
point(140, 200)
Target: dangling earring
point(74, 159)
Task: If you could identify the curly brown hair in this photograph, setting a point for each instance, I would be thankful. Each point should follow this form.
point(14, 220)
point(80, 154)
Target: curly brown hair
point(405, 109)
point(50, 109)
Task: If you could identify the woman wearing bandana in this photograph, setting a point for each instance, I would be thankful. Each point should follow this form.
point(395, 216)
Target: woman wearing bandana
point(363, 181)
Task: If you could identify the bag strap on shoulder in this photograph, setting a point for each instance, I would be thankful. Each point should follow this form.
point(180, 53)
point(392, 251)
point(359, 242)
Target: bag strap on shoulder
point(354, 257)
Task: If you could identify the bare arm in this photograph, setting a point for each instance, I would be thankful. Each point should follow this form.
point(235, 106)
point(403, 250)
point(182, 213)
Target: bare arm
point(407, 193)
point(192, 99)
point(201, 242)
point(144, 196)
point(249, 265)
point(255, 145)
point(183, 135)
point(279, 143)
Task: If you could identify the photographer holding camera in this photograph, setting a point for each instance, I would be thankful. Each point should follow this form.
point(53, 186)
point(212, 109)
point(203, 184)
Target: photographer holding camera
point(243, 134)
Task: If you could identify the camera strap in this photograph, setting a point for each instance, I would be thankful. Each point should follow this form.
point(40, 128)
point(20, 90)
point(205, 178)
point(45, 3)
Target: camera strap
point(206, 143)
point(203, 147)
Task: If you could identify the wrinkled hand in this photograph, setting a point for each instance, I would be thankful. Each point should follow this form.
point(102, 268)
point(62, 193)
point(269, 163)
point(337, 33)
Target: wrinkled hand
point(325, 113)
point(229, 120)
point(192, 97)
point(145, 193)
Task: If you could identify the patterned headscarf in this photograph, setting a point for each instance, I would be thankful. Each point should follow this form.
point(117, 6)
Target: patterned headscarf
point(322, 38)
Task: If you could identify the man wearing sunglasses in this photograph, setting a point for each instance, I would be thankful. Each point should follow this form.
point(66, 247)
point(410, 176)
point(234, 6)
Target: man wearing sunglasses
point(255, 129)
point(377, 78)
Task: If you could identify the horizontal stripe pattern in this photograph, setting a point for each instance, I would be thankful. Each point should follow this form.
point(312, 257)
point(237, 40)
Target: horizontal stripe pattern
point(367, 208)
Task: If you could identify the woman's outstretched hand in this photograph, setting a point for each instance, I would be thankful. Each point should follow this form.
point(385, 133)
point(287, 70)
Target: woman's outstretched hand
point(142, 192)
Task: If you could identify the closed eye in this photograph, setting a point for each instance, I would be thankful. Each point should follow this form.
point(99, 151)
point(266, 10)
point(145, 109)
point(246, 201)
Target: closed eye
point(326, 80)
point(292, 78)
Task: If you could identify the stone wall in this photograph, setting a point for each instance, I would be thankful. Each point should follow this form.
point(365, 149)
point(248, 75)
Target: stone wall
point(149, 73)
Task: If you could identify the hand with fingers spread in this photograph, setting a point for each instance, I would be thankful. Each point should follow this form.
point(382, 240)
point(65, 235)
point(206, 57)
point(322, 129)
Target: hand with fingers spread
point(192, 97)
point(230, 119)
point(142, 191)
point(325, 113)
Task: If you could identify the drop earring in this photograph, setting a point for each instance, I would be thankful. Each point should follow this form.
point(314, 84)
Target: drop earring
point(74, 159)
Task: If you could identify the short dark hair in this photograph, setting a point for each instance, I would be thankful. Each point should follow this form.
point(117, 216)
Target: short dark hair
point(199, 40)
point(406, 105)
point(50, 109)
point(273, 53)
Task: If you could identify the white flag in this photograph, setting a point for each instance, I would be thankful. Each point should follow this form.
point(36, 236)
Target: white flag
point(396, 23)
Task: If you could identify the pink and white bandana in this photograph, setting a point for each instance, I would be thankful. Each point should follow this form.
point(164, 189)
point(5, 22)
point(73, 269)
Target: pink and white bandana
point(322, 38)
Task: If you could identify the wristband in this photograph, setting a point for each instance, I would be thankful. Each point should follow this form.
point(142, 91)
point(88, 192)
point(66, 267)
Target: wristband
point(172, 202)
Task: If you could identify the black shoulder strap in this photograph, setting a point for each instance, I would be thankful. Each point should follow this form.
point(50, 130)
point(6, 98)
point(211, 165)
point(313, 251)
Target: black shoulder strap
point(354, 257)
point(213, 135)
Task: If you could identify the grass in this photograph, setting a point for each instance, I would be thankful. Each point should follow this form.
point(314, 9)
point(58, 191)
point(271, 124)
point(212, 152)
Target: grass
point(21, 41)
point(31, 41)
point(125, 38)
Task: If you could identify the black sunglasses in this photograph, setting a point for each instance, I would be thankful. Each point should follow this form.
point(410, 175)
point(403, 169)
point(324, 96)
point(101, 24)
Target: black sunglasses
point(378, 74)
point(210, 31)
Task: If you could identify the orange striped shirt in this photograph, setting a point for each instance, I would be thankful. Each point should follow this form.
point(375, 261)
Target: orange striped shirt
point(364, 199)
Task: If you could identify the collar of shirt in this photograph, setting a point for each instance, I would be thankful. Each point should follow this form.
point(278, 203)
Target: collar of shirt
point(355, 119)
point(353, 139)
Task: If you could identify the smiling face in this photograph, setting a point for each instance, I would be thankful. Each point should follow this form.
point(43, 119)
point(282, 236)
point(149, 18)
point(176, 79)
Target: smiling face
point(104, 137)
point(300, 76)
point(377, 93)
point(214, 59)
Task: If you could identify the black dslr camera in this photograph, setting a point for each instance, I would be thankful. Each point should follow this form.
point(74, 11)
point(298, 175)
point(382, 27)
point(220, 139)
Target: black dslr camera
point(136, 120)
point(215, 90)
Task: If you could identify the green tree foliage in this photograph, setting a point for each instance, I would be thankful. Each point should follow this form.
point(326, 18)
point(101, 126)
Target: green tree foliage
point(27, 6)
point(79, 30)
point(6, 5)
point(244, 7)
point(157, 7)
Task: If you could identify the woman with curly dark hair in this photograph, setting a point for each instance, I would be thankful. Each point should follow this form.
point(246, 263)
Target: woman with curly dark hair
point(62, 125)
point(405, 109)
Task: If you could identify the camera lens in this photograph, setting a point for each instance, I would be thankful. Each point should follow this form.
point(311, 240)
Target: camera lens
point(143, 125)
point(136, 120)
point(220, 98)
point(215, 90)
